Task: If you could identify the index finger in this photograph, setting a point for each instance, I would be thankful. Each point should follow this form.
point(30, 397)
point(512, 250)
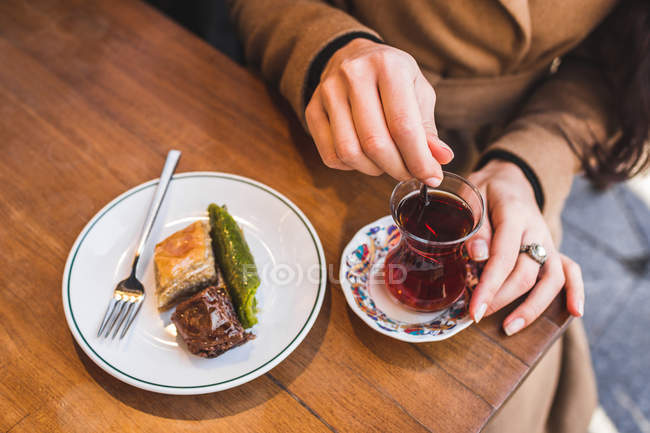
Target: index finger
point(404, 121)
point(372, 131)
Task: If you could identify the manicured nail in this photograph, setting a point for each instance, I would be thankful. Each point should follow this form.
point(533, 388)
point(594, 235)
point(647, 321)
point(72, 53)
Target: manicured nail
point(514, 326)
point(433, 182)
point(446, 147)
point(481, 311)
point(581, 308)
point(479, 250)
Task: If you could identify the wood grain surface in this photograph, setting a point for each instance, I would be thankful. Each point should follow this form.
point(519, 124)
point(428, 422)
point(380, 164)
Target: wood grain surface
point(92, 95)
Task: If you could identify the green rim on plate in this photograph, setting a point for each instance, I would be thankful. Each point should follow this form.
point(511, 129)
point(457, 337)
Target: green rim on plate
point(176, 178)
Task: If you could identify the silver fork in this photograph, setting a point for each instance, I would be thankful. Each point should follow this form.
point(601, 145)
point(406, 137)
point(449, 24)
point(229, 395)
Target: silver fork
point(129, 293)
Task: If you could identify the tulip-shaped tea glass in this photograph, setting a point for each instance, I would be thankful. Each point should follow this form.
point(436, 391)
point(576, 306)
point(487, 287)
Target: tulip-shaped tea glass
point(427, 270)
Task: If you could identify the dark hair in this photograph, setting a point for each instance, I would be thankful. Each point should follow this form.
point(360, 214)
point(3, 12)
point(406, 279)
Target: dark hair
point(624, 45)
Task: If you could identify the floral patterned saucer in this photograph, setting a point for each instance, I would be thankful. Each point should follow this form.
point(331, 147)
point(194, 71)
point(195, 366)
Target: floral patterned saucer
point(361, 277)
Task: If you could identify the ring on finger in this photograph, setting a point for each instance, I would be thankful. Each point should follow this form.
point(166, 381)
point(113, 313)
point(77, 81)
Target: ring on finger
point(535, 251)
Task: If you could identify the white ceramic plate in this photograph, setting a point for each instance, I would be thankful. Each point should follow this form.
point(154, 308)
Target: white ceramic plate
point(287, 251)
point(362, 282)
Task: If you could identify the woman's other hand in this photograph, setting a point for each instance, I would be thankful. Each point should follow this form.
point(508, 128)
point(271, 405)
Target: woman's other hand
point(373, 111)
point(515, 220)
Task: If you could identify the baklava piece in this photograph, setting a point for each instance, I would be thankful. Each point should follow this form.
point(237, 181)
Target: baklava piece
point(208, 324)
point(184, 264)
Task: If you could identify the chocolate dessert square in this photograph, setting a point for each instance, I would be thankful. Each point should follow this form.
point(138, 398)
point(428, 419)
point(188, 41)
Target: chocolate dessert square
point(208, 324)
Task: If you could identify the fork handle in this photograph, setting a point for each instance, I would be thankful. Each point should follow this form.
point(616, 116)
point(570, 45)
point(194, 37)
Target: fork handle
point(165, 177)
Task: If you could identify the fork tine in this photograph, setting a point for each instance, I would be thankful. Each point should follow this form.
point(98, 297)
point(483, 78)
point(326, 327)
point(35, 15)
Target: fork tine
point(118, 308)
point(107, 316)
point(131, 317)
point(126, 312)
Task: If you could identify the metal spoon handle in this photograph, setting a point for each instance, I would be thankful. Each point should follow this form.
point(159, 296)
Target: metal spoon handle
point(424, 198)
point(165, 177)
point(424, 194)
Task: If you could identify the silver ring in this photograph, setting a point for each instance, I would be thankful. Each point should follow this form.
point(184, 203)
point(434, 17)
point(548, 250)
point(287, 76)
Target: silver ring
point(536, 251)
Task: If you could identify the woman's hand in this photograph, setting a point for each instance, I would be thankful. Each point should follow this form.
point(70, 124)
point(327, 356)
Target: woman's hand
point(373, 112)
point(515, 220)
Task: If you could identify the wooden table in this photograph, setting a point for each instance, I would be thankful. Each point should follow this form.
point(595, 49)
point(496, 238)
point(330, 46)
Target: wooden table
point(92, 95)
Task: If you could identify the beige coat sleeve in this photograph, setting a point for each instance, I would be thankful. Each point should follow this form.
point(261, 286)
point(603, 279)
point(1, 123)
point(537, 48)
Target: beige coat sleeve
point(282, 37)
point(571, 108)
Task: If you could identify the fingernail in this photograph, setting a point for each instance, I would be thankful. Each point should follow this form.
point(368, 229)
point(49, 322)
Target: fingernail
point(479, 250)
point(514, 326)
point(481, 311)
point(433, 182)
point(445, 146)
point(581, 308)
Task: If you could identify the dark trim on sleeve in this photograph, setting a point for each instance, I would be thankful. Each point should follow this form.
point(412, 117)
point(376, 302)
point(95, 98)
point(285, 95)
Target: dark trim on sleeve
point(525, 168)
point(318, 64)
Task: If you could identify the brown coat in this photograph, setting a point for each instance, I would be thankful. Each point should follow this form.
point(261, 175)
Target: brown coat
point(494, 67)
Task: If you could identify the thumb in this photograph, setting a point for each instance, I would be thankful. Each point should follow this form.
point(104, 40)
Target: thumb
point(427, 102)
point(439, 149)
point(478, 246)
